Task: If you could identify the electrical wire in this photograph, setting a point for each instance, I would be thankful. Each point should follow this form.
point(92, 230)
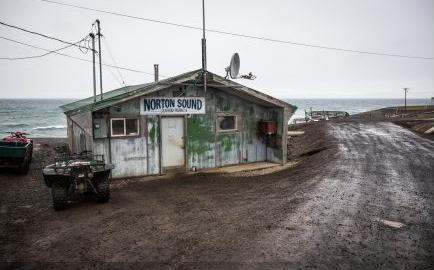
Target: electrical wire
point(106, 45)
point(86, 45)
point(39, 34)
point(240, 34)
point(115, 77)
point(115, 66)
point(78, 58)
point(35, 56)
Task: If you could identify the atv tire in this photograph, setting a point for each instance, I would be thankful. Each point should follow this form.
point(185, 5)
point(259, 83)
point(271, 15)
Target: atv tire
point(59, 194)
point(103, 190)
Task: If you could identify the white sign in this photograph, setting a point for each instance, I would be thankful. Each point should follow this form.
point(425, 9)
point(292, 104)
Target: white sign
point(172, 105)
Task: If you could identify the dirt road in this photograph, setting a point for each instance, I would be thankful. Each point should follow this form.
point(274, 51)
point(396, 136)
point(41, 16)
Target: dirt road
point(365, 202)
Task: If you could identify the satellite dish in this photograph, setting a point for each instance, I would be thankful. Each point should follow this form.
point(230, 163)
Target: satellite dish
point(234, 67)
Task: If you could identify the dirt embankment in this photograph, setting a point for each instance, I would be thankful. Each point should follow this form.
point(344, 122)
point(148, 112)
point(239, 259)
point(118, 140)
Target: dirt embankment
point(397, 113)
point(424, 128)
point(313, 140)
point(419, 119)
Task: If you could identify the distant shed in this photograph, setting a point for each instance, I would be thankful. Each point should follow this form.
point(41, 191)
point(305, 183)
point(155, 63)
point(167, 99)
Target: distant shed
point(172, 123)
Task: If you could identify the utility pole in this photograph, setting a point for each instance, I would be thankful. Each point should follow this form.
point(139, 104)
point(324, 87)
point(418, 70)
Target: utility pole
point(405, 98)
point(203, 47)
point(93, 61)
point(99, 54)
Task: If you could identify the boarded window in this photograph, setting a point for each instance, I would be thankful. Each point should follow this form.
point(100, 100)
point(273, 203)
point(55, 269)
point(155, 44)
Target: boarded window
point(132, 126)
point(124, 126)
point(226, 123)
point(118, 127)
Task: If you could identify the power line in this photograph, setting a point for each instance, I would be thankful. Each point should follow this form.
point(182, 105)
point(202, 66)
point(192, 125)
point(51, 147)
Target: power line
point(35, 56)
point(239, 34)
point(42, 35)
point(78, 58)
point(116, 77)
point(106, 45)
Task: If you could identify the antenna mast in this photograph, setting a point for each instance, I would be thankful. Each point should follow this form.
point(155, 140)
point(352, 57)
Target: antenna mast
point(99, 55)
point(405, 98)
point(92, 36)
point(203, 47)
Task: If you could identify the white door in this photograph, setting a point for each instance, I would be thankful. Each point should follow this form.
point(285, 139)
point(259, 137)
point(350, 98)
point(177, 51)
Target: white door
point(172, 141)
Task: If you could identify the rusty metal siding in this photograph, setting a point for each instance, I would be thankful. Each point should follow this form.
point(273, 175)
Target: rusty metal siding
point(128, 153)
point(207, 147)
point(100, 129)
point(78, 139)
point(275, 154)
point(101, 147)
point(131, 107)
point(200, 143)
point(228, 148)
point(153, 143)
point(129, 157)
point(286, 117)
point(80, 132)
point(253, 146)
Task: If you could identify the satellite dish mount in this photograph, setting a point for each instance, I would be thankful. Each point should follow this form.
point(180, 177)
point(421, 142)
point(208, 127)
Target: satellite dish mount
point(233, 69)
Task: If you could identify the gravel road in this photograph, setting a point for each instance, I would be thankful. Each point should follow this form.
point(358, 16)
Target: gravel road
point(365, 201)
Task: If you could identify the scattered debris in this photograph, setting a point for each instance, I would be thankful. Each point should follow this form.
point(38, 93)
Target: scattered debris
point(324, 115)
point(430, 131)
point(294, 133)
point(393, 224)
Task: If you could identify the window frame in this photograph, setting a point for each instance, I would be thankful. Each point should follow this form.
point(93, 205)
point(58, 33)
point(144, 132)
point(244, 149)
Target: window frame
point(125, 127)
point(236, 116)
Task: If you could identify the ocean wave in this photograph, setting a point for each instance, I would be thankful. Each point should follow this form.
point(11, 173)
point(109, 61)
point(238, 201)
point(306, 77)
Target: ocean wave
point(49, 127)
point(12, 111)
point(13, 125)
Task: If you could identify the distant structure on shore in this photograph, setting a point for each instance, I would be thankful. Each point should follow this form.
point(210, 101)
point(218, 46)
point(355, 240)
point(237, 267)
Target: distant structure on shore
point(314, 116)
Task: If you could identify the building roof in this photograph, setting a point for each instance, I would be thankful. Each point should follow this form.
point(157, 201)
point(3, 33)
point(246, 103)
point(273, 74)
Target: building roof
point(122, 94)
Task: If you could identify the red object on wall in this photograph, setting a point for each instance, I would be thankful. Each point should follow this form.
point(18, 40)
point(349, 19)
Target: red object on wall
point(268, 127)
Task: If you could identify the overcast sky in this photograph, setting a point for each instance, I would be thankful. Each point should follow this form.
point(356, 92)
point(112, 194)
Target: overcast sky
point(403, 27)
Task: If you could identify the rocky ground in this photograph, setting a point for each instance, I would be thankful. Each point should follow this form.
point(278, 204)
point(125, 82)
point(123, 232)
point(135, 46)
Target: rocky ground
point(362, 198)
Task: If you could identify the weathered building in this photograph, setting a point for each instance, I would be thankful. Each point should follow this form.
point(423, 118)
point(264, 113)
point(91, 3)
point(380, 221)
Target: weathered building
point(172, 123)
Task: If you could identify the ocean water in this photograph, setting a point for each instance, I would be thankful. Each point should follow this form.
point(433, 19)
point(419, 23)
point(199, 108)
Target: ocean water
point(44, 118)
point(39, 117)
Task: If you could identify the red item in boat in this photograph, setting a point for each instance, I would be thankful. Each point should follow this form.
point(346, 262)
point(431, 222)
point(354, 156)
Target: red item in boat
point(17, 136)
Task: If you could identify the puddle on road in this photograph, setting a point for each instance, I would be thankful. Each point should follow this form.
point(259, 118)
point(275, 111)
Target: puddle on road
point(392, 224)
point(376, 131)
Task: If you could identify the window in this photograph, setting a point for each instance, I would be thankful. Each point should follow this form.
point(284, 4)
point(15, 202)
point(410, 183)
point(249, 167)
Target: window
point(124, 126)
point(131, 127)
point(118, 127)
point(227, 123)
